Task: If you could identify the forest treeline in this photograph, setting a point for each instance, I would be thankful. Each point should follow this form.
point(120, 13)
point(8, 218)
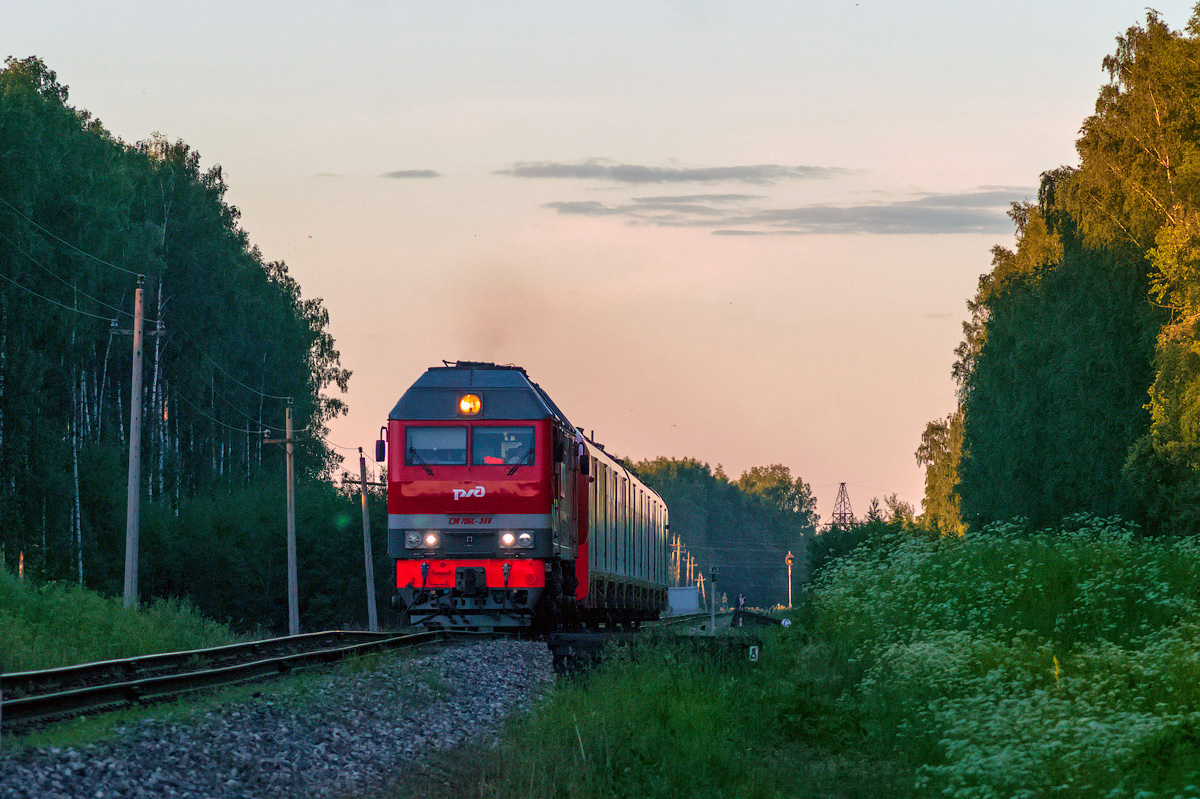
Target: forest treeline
point(744, 527)
point(1079, 371)
point(230, 343)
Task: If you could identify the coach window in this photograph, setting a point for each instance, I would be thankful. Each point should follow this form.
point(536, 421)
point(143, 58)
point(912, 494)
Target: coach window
point(498, 445)
point(429, 446)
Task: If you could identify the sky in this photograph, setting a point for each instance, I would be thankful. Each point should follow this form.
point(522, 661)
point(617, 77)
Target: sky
point(741, 232)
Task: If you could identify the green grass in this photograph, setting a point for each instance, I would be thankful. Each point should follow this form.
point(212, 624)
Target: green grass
point(1005, 663)
point(61, 624)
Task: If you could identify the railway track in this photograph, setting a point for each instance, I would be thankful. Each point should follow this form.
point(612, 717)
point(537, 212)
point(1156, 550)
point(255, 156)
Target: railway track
point(37, 697)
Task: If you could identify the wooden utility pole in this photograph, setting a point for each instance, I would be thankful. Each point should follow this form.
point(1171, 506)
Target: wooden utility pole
point(372, 616)
point(293, 590)
point(135, 457)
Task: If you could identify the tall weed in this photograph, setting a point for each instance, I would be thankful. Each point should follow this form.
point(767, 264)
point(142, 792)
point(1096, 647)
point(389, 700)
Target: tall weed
point(1017, 663)
point(61, 624)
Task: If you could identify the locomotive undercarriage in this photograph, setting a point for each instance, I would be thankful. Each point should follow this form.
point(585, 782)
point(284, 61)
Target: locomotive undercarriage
point(472, 605)
point(489, 608)
point(613, 604)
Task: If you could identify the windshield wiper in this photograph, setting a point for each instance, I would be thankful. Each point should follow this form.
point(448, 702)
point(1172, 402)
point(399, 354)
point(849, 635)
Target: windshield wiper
point(527, 457)
point(416, 456)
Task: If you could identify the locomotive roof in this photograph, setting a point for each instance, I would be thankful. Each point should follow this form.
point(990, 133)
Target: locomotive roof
point(507, 393)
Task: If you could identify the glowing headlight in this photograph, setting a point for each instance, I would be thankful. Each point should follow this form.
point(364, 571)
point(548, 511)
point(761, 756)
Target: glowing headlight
point(507, 539)
point(431, 540)
point(525, 540)
point(412, 539)
point(469, 404)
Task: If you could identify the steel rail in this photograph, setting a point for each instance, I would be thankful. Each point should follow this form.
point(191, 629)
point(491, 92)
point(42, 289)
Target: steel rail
point(16, 685)
point(62, 704)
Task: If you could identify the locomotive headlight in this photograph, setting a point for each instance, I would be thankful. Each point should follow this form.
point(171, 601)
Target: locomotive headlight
point(507, 539)
point(431, 539)
point(469, 404)
point(525, 540)
point(412, 539)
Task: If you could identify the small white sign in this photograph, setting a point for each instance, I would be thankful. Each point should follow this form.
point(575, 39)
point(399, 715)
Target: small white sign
point(753, 654)
point(786, 623)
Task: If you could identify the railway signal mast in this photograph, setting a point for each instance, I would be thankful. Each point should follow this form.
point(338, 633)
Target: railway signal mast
point(788, 560)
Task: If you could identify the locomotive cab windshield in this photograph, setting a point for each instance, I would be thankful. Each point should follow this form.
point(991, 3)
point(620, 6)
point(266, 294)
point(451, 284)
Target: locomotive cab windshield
point(499, 445)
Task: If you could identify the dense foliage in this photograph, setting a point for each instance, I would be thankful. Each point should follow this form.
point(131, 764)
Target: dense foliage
point(229, 344)
point(1005, 662)
point(744, 527)
point(1079, 373)
point(61, 624)
point(1018, 662)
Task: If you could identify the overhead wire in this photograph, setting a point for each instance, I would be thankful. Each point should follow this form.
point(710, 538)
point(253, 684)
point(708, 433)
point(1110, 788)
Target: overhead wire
point(8, 279)
point(182, 331)
point(62, 279)
point(262, 429)
point(18, 212)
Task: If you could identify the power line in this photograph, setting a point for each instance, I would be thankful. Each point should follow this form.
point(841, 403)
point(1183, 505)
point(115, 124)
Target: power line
point(184, 332)
point(62, 279)
point(214, 420)
point(223, 371)
point(52, 302)
point(16, 211)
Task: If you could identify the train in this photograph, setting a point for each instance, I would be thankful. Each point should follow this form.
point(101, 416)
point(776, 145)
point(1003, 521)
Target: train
point(504, 516)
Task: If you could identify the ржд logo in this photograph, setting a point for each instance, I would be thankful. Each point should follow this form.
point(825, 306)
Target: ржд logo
point(477, 491)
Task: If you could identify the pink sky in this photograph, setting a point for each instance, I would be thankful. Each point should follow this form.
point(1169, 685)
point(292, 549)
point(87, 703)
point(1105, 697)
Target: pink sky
point(740, 232)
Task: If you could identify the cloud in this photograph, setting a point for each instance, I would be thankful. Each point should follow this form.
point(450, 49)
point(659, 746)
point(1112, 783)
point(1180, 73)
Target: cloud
point(981, 210)
point(412, 173)
point(601, 169)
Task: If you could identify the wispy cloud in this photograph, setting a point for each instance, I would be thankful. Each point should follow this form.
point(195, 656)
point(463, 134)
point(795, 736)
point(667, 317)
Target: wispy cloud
point(401, 174)
point(980, 210)
point(601, 169)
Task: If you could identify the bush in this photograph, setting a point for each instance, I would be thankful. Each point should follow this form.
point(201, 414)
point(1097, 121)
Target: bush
point(61, 624)
point(1017, 663)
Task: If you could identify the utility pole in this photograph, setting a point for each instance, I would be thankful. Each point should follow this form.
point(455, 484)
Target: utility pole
point(293, 592)
point(372, 618)
point(135, 456)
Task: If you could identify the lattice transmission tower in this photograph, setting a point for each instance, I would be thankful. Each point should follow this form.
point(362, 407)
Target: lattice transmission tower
point(842, 515)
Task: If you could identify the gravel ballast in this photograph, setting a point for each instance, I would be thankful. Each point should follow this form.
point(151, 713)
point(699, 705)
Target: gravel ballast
point(351, 735)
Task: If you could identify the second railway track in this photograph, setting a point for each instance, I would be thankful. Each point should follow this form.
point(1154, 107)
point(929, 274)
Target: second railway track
point(33, 697)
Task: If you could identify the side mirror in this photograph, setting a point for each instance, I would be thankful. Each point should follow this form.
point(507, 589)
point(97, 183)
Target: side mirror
point(380, 451)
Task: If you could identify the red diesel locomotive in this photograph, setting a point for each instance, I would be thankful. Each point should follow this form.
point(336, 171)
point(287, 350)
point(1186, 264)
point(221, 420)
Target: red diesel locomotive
point(503, 515)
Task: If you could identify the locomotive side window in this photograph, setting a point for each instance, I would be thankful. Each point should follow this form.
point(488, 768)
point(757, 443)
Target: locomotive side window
point(499, 445)
point(445, 446)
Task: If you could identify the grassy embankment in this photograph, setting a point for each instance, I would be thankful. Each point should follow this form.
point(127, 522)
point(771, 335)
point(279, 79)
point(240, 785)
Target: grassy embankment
point(1008, 663)
point(60, 624)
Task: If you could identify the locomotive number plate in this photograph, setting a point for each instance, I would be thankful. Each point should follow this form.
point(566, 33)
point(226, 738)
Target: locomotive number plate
point(465, 521)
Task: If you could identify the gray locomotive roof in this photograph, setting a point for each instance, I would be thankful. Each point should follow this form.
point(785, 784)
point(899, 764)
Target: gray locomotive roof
point(507, 393)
